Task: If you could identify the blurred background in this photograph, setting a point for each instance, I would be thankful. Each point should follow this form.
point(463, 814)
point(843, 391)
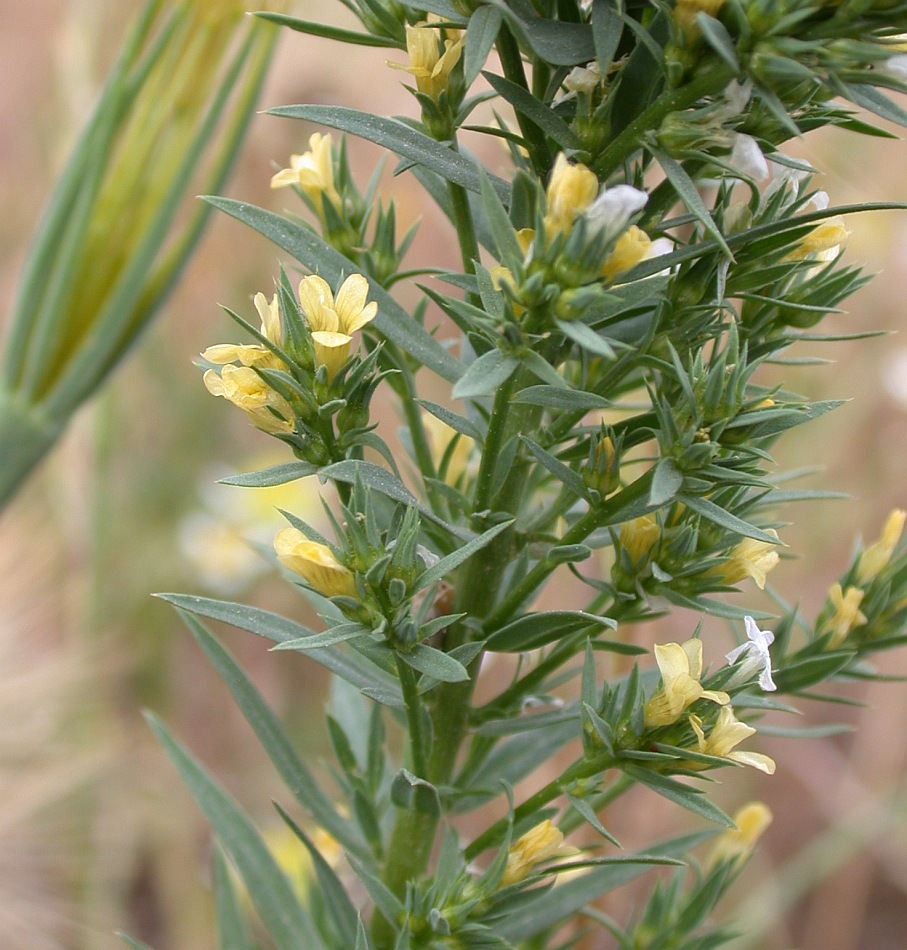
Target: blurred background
point(96, 833)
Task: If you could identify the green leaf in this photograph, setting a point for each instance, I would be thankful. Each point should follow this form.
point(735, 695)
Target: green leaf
point(456, 422)
point(337, 634)
point(686, 796)
point(586, 338)
point(585, 809)
point(485, 375)
point(712, 512)
point(558, 42)
point(607, 29)
point(355, 669)
point(270, 891)
point(329, 32)
point(667, 480)
point(716, 35)
point(689, 195)
point(554, 397)
point(273, 739)
point(414, 793)
point(402, 140)
point(434, 663)
point(232, 931)
point(536, 111)
point(309, 249)
point(454, 560)
point(871, 99)
point(386, 903)
point(275, 475)
point(481, 33)
point(505, 239)
point(535, 630)
point(335, 899)
point(561, 472)
point(386, 483)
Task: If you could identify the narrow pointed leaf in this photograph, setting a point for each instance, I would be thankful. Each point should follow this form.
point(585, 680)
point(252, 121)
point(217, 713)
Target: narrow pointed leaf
point(335, 899)
point(447, 564)
point(329, 32)
point(484, 24)
point(401, 139)
point(274, 740)
point(485, 375)
point(353, 668)
point(717, 515)
point(286, 920)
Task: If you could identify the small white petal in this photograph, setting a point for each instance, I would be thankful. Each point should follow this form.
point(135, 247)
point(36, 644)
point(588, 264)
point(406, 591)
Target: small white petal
point(614, 207)
point(748, 158)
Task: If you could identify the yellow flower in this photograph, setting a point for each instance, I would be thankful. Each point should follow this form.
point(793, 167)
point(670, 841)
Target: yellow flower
point(433, 53)
point(737, 843)
point(253, 354)
point(571, 189)
point(681, 667)
point(315, 563)
point(333, 322)
point(750, 558)
point(539, 844)
point(313, 172)
point(686, 10)
point(440, 437)
point(639, 536)
point(727, 733)
point(822, 241)
point(877, 555)
point(242, 386)
point(847, 613)
point(632, 247)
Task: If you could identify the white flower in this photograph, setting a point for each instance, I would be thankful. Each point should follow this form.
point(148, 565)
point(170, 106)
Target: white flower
point(613, 208)
point(736, 98)
point(747, 157)
point(584, 78)
point(896, 67)
point(756, 656)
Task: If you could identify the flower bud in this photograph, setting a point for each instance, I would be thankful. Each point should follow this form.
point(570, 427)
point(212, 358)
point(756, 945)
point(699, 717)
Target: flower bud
point(876, 556)
point(315, 563)
point(540, 843)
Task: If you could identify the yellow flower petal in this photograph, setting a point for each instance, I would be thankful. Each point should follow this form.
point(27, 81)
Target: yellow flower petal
point(313, 562)
point(331, 350)
point(877, 555)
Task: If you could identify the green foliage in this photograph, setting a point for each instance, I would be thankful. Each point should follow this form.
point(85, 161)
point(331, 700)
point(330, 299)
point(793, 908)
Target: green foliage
point(116, 234)
point(639, 266)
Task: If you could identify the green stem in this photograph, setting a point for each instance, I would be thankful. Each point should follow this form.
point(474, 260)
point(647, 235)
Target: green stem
point(413, 718)
point(580, 769)
point(26, 435)
point(589, 522)
point(408, 853)
point(466, 230)
point(630, 140)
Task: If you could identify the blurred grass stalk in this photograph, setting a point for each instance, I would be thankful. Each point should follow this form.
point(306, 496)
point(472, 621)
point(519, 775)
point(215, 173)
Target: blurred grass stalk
point(120, 225)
